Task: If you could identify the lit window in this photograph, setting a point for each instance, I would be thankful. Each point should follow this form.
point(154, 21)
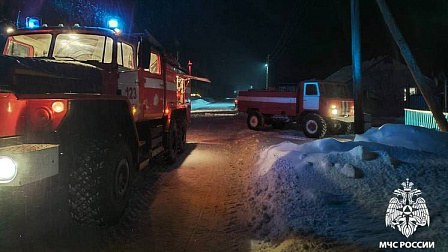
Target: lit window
point(154, 64)
point(125, 55)
point(412, 91)
point(81, 47)
point(30, 45)
point(108, 52)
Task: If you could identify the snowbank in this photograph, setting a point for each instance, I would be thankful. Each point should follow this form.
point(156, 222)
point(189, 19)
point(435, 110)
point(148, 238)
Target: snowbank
point(411, 137)
point(341, 190)
point(199, 103)
point(203, 104)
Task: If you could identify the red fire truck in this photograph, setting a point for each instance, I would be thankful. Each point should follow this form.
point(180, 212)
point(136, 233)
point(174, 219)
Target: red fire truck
point(90, 106)
point(319, 106)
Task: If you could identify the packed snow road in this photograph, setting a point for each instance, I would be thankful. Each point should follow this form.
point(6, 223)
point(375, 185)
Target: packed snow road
point(197, 204)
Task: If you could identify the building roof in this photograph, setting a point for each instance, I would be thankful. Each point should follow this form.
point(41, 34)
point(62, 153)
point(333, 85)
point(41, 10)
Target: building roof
point(344, 75)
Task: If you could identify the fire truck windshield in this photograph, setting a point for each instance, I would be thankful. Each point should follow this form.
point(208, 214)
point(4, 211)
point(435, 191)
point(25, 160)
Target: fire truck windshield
point(67, 46)
point(83, 47)
point(335, 90)
point(29, 45)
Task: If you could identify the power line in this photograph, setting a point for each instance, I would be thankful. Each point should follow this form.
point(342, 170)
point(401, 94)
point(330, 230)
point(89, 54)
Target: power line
point(300, 22)
point(297, 22)
point(287, 28)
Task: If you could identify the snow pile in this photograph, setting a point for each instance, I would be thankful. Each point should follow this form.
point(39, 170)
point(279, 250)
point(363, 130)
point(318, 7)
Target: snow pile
point(411, 137)
point(199, 103)
point(341, 190)
point(203, 104)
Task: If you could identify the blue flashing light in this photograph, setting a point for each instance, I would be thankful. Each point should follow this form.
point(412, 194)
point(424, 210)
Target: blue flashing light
point(112, 23)
point(32, 22)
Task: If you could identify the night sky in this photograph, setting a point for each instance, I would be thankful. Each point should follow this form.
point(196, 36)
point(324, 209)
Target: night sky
point(228, 41)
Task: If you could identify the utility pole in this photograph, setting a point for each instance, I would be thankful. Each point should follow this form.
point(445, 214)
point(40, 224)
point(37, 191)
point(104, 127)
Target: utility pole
point(418, 76)
point(356, 63)
point(267, 72)
point(189, 66)
point(445, 81)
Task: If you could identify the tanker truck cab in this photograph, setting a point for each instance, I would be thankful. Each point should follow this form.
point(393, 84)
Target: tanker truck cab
point(319, 106)
point(84, 103)
point(325, 107)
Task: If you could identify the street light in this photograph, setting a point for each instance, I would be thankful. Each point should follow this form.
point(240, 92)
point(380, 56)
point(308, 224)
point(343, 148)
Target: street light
point(267, 72)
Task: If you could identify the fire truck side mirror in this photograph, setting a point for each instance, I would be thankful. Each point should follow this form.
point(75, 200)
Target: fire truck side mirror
point(144, 54)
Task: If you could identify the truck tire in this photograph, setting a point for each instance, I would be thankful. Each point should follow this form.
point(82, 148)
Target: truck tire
point(335, 127)
point(182, 137)
point(172, 144)
point(255, 120)
point(314, 126)
point(346, 128)
point(100, 182)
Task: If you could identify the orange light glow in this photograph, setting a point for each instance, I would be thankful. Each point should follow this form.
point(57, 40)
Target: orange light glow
point(58, 106)
point(134, 110)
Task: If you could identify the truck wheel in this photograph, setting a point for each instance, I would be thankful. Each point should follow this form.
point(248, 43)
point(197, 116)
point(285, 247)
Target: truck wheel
point(182, 137)
point(278, 125)
point(334, 127)
point(172, 145)
point(255, 120)
point(314, 126)
point(346, 128)
point(100, 182)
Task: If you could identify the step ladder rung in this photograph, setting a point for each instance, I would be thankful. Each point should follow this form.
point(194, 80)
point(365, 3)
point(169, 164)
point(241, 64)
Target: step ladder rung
point(144, 164)
point(157, 151)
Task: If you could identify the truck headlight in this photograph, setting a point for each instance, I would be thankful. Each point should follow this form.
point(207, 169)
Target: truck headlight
point(334, 111)
point(8, 169)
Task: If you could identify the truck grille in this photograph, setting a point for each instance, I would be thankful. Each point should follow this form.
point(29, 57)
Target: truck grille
point(345, 108)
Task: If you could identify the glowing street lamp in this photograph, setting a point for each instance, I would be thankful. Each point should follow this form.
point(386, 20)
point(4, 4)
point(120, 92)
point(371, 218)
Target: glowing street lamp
point(267, 72)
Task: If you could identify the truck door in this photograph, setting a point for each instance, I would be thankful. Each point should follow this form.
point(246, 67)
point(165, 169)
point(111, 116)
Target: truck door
point(311, 96)
point(152, 82)
point(128, 80)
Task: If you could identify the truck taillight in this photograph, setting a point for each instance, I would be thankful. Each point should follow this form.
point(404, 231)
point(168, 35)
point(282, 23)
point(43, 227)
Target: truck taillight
point(167, 111)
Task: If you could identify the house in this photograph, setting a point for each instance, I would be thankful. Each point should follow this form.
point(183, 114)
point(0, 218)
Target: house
point(386, 82)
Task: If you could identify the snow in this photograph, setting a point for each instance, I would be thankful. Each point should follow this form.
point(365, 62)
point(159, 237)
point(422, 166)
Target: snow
point(206, 105)
point(411, 137)
point(341, 190)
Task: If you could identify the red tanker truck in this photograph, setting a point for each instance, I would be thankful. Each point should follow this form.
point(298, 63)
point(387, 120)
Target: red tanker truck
point(91, 106)
point(319, 106)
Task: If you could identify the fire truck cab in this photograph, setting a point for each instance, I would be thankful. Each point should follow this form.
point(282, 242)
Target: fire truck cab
point(91, 106)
